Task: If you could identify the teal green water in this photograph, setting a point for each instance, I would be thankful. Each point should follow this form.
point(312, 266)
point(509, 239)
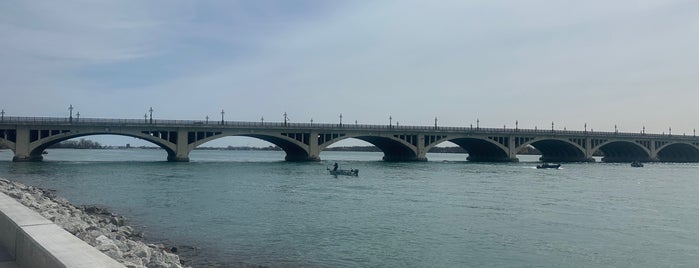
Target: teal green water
point(250, 208)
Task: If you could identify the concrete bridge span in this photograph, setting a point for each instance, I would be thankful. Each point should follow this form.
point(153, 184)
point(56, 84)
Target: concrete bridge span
point(28, 137)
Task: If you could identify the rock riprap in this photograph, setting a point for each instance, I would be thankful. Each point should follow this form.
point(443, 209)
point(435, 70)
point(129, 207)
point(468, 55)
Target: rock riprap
point(94, 225)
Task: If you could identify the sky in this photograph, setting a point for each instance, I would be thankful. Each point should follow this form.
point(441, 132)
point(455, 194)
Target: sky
point(601, 63)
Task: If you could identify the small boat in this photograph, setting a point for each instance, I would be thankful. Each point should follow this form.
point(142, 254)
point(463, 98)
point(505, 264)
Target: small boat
point(547, 166)
point(346, 172)
point(636, 164)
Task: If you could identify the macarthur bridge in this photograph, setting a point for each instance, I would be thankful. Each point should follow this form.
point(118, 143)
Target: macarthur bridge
point(28, 137)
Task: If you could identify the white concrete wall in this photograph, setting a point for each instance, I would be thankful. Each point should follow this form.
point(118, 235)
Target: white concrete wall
point(35, 241)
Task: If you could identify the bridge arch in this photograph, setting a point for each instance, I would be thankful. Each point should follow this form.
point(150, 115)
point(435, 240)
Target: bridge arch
point(557, 150)
point(482, 150)
point(37, 147)
point(295, 148)
point(479, 149)
point(393, 148)
point(678, 152)
point(8, 144)
point(623, 151)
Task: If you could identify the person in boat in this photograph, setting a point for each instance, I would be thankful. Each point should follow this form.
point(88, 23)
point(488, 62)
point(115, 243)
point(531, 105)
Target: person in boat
point(335, 167)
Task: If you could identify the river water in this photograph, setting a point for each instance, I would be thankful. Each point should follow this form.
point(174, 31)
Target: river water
point(249, 208)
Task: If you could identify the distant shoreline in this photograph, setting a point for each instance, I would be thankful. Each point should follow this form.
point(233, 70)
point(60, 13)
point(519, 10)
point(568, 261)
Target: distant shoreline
point(87, 144)
point(453, 149)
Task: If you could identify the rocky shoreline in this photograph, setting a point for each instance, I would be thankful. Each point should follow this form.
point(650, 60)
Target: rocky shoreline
point(98, 227)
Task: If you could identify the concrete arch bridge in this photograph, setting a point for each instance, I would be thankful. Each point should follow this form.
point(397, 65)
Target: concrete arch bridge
point(28, 137)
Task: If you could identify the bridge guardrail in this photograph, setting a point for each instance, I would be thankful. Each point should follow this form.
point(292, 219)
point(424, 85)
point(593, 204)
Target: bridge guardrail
point(18, 120)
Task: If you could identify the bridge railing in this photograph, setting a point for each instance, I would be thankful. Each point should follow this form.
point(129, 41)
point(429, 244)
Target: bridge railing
point(17, 120)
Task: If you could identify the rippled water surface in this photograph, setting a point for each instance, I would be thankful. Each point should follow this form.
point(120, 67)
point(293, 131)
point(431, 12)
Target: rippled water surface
point(250, 208)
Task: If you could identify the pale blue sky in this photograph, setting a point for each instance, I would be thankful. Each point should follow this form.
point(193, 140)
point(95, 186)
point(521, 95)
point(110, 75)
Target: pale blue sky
point(629, 63)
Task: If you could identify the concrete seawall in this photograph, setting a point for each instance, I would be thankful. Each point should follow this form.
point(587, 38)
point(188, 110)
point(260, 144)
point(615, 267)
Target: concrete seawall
point(34, 241)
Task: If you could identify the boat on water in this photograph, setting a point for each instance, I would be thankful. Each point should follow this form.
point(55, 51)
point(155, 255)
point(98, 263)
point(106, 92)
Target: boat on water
point(346, 172)
point(548, 166)
point(636, 164)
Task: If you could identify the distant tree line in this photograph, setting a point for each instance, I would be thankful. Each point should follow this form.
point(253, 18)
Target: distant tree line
point(449, 150)
point(79, 144)
point(452, 150)
point(354, 149)
point(88, 144)
point(529, 150)
point(242, 148)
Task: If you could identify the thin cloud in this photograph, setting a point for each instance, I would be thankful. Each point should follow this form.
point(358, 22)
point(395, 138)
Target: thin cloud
point(590, 62)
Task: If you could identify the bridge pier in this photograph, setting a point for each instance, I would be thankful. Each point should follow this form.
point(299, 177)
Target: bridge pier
point(30, 158)
point(181, 148)
point(174, 158)
point(292, 158)
point(23, 151)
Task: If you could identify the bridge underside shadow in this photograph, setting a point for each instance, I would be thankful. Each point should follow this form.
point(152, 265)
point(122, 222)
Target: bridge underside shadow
point(560, 151)
point(294, 153)
point(482, 151)
point(624, 152)
point(678, 153)
point(393, 151)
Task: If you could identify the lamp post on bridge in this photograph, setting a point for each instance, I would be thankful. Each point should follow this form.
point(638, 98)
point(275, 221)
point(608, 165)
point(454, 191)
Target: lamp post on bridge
point(390, 121)
point(77, 117)
point(70, 118)
point(2, 115)
point(585, 128)
point(478, 124)
point(207, 119)
point(311, 121)
point(285, 118)
point(262, 120)
point(222, 113)
point(616, 130)
point(552, 126)
point(643, 131)
point(516, 125)
point(435, 122)
point(669, 131)
point(340, 119)
point(145, 118)
point(151, 114)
